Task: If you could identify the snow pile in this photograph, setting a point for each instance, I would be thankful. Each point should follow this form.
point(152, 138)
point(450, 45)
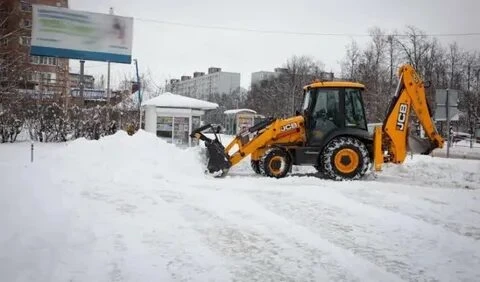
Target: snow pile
point(439, 172)
point(137, 156)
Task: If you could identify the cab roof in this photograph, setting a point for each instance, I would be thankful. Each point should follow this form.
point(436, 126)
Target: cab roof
point(324, 84)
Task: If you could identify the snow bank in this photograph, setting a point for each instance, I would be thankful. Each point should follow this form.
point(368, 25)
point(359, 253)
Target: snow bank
point(437, 172)
point(137, 156)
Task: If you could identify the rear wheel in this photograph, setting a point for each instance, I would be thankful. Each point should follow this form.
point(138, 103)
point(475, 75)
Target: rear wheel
point(275, 163)
point(344, 158)
point(319, 171)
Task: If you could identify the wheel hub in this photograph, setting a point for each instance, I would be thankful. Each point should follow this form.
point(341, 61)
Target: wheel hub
point(276, 165)
point(346, 160)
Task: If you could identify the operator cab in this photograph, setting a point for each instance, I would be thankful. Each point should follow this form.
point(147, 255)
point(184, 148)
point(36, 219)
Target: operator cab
point(333, 108)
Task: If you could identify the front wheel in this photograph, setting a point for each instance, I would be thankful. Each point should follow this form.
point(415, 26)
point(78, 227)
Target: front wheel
point(344, 158)
point(275, 163)
point(255, 166)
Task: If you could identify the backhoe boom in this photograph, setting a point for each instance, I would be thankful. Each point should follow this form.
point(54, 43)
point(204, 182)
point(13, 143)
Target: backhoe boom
point(393, 136)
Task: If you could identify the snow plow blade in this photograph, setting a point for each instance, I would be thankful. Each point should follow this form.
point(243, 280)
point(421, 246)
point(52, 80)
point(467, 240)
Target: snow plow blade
point(218, 162)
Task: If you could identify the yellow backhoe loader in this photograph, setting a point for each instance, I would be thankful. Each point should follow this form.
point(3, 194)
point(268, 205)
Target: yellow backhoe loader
point(330, 133)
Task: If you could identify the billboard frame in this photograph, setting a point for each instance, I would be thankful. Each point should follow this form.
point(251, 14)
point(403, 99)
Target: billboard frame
point(73, 34)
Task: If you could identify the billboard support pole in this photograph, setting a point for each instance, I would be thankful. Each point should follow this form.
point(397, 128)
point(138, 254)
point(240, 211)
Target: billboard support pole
point(139, 94)
point(108, 84)
point(108, 92)
point(82, 81)
point(108, 79)
point(447, 107)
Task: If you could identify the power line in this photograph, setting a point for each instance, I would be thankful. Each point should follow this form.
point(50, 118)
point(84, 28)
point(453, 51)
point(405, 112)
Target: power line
point(285, 32)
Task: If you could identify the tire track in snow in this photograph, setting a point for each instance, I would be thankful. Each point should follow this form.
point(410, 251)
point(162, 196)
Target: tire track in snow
point(397, 243)
point(250, 254)
point(145, 237)
point(172, 239)
point(430, 211)
point(263, 246)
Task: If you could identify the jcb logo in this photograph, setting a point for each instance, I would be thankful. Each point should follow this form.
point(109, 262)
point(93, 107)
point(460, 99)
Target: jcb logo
point(402, 117)
point(289, 126)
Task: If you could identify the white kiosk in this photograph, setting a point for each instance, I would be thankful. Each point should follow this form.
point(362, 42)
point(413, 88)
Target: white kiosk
point(172, 117)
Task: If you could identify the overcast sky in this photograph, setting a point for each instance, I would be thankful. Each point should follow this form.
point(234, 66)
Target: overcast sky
point(170, 51)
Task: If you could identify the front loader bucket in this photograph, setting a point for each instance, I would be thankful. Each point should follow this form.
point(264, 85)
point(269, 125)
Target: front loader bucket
point(218, 162)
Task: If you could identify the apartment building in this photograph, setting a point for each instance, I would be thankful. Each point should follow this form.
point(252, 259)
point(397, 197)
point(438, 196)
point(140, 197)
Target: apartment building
point(48, 76)
point(260, 76)
point(202, 85)
point(88, 80)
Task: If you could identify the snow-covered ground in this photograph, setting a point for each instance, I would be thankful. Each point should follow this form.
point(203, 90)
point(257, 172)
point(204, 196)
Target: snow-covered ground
point(133, 208)
point(461, 149)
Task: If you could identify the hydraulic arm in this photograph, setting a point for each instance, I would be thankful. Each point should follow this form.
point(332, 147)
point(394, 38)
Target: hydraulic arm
point(393, 137)
point(251, 142)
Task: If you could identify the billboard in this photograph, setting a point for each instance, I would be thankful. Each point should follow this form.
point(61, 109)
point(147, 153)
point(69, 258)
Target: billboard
point(65, 33)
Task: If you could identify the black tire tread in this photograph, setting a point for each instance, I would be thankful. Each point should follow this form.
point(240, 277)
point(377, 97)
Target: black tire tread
point(263, 163)
point(327, 157)
point(255, 165)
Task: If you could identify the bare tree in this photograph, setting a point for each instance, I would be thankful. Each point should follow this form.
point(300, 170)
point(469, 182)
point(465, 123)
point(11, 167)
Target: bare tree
point(13, 73)
point(414, 46)
point(455, 62)
point(351, 62)
point(281, 96)
point(300, 71)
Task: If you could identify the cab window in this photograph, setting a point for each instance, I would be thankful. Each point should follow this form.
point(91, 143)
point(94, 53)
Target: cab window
point(354, 114)
point(327, 107)
point(306, 100)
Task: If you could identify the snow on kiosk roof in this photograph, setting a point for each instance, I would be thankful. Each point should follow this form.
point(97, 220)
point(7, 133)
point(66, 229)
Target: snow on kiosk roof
point(170, 100)
point(236, 111)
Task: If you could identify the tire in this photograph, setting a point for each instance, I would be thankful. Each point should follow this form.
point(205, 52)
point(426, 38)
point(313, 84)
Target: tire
point(319, 171)
point(275, 163)
point(255, 166)
point(344, 158)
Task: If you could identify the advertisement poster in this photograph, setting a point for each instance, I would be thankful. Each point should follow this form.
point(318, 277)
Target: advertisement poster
point(180, 130)
point(244, 122)
point(66, 33)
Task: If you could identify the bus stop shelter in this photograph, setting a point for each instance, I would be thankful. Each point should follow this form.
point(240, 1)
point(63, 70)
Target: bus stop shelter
point(238, 119)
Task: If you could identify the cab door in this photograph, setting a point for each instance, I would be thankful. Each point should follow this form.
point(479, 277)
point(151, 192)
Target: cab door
point(325, 115)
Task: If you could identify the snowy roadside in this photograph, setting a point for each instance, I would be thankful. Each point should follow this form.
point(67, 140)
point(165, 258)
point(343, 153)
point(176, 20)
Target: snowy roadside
point(137, 209)
point(460, 150)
